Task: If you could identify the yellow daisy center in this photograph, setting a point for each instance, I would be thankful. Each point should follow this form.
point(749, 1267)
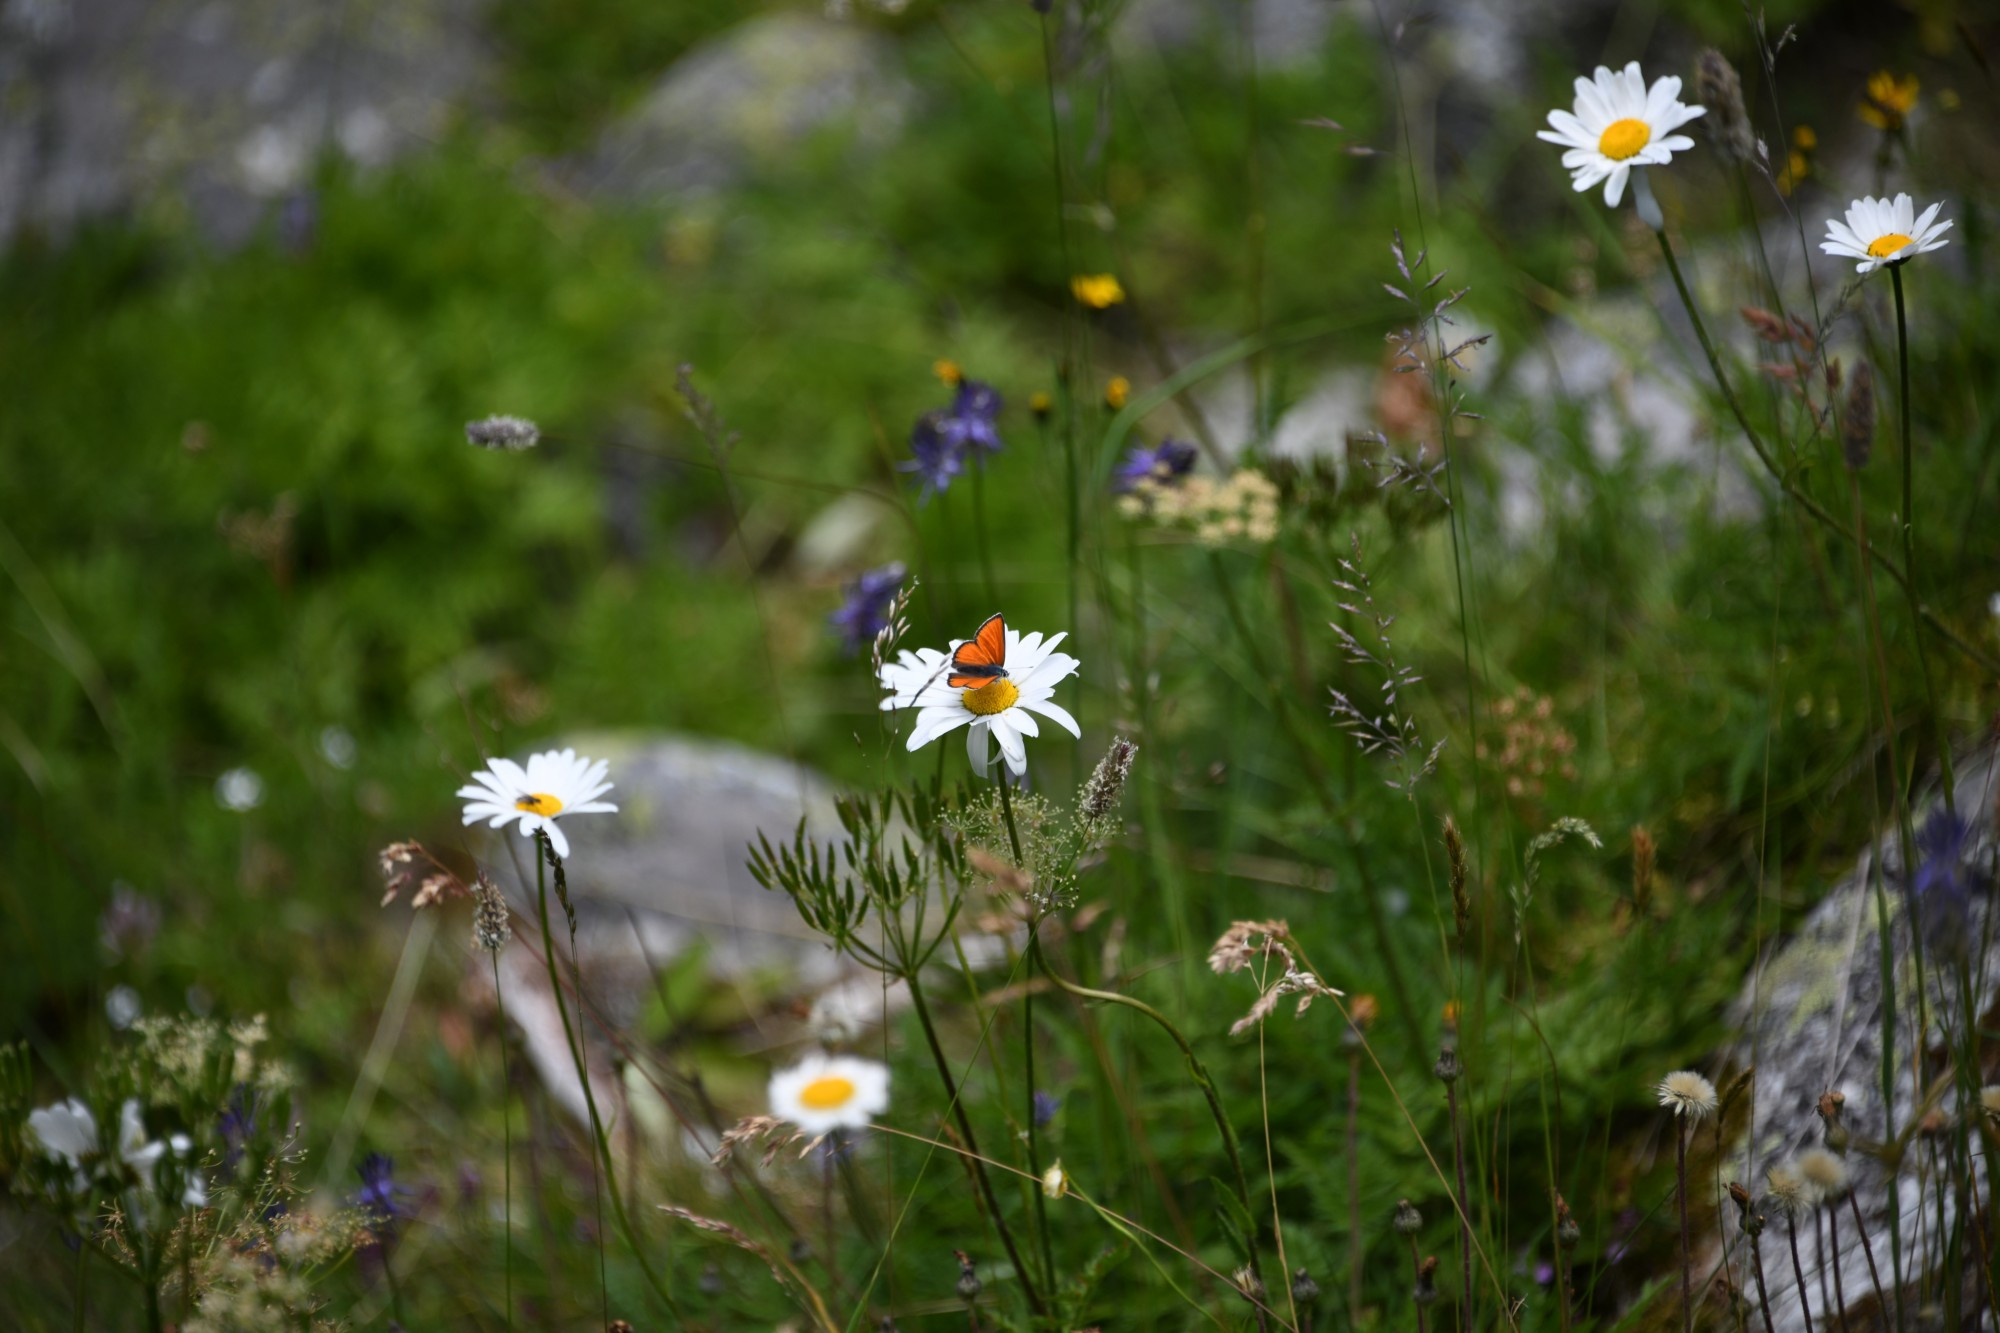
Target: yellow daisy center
point(1622, 138)
point(1884, 246)
point(540, 803)
point(828, 1093)
point(995, 696)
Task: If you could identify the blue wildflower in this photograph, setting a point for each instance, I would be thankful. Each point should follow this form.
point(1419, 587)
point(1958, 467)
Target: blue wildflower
point(865, 609)
point(1941, 889)
point(380, 1195)
point(1169, 461)
point(1046, 1106)
point(941, 440)
point(237, 1123)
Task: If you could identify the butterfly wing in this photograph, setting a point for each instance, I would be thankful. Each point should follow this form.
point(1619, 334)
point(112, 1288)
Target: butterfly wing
point(981, 658)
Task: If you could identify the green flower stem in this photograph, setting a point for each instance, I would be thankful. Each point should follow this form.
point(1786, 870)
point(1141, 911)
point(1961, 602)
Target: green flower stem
point(575, 1043)
point(1806, 502)
point(974, 1163)
point(507, 1146)
point(1199, 1073)
point(1034, 1134)
point(1909, 526)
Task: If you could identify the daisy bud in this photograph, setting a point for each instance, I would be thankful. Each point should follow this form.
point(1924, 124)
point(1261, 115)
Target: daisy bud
point(1857, 427)
point(1687, 1093)
point(1568, 1233)
point(1304, 1290)
point(1426, 1292)
point(1461, 902)
point(1249, 1284)
point(491, 928)
point(1833, 1128)
point(969, 1285)
point(1446, 1069)
point(507, 434)
point(1408, 1220)
point(1718, 88)
point(1752, 1219)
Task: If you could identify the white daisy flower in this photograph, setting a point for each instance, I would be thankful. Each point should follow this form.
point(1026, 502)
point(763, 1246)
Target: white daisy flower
point(823, 1093)
point(1620, 124)
point(1001, 710)
point(68, 1131)
point(554, 784)
point(1885, 231)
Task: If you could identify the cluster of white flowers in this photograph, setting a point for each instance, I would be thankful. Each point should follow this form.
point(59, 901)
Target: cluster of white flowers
point(68, 1134)
point(1242, 507)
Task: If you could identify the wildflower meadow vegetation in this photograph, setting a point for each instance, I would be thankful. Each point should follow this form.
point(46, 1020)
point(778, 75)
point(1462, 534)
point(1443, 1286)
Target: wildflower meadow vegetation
point(1357, 618)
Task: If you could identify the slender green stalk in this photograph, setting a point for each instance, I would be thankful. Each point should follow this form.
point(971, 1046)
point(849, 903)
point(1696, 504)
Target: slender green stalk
point(506, 1148)
point(1681, 1190)
point(1354, 1247)
point(82, 1290)
point(395, 1286)
point(1034, 1133)
point(974, 1164)
point(576, 1051)
point(1909, 526)
point(155, 1323)
point(1464, 1197)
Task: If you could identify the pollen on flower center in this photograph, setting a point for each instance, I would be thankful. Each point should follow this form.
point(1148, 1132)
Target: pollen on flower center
point(1884, 246)
point(995, 696)
point(825, 1094)
point(539, 803)
point(1622, 138)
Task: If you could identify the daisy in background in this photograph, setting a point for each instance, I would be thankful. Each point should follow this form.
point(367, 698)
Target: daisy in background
point(554, 784)
point(1880, 232)
point(822, 1093)
point(1620, 124)
point(1000, 711)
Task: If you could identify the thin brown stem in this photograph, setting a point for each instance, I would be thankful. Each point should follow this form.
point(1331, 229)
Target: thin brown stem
point(1763, 1295)
point(1833, 1243)
point(1681, 1190)
point(1874, 1277)
point(1798, 1270)
point(1464, 1197)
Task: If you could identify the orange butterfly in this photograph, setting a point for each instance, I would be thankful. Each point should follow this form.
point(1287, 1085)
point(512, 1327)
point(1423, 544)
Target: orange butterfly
point(982, 658)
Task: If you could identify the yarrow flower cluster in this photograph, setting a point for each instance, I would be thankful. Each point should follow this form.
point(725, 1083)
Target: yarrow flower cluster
point(556, 783)
point(1879, 232)
point(1242, 508)
point(999, 712)
point(942, 441)
point(1618, 125)
point(865, 607)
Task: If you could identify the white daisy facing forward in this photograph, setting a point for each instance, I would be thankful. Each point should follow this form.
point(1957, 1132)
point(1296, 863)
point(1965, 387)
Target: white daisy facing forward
point(1880, 232)
point(822, 1093)
point(1001, 710)
point(1619, 124)
point(554, 785)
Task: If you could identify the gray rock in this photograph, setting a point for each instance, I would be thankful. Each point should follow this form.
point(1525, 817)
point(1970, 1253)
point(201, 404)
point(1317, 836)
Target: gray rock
point(217, 106)
point(1811, 1020)
point(744, 98)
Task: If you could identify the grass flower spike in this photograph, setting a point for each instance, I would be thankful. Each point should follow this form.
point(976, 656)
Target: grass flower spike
point(1619, 124)
point(823, 1093)
point(1002, 710)
point(555, 783)
point(1880, 232)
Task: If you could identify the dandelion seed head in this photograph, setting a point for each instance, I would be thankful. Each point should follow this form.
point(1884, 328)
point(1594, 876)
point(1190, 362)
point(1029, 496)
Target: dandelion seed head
point(1824, 1172)
point(1687, 1094)
point(1789, 1190)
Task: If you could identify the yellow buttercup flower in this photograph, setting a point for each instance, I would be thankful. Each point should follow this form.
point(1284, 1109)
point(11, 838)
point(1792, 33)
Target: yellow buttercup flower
point(1099, 291)
point(1117, 393)
point(947, 370)
point(1889, 101)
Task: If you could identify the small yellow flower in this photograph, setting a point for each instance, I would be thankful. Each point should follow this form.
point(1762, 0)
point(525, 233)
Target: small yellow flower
point(1889, 101)
point(1797, 167)
point(947, 370)
point(1099, 291)
point(1804, 138)
point(1117, 393)
point(1040, 404)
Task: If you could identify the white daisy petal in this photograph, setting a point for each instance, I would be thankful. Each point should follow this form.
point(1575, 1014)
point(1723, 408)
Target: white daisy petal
point(1056, 713)
point(977, 751)
point(1617, 124)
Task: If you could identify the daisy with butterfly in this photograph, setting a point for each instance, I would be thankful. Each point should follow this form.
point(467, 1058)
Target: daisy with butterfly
point(993, 683)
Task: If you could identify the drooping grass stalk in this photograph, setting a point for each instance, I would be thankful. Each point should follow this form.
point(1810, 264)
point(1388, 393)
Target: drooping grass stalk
point(1198, 1072)
point(545, 856)
point(507, 1147)
point(1353, 1138)
point(1681, 1190)
point(1798, 1269)
point(1805, 501)
point(1909, 526)
point(975, 1163)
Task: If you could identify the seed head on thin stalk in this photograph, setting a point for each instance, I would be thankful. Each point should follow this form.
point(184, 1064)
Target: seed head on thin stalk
point(491, 925)
point(1393, 731)
point(1857, 426)
point(1718, 88)
point(1461, 899)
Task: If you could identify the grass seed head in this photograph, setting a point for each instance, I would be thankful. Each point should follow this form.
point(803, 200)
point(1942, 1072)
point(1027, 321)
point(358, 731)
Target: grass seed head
point(1857, 427)
point(1718, 88)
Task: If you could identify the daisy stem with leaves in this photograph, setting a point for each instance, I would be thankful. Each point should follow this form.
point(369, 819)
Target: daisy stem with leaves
point(1909, 527)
